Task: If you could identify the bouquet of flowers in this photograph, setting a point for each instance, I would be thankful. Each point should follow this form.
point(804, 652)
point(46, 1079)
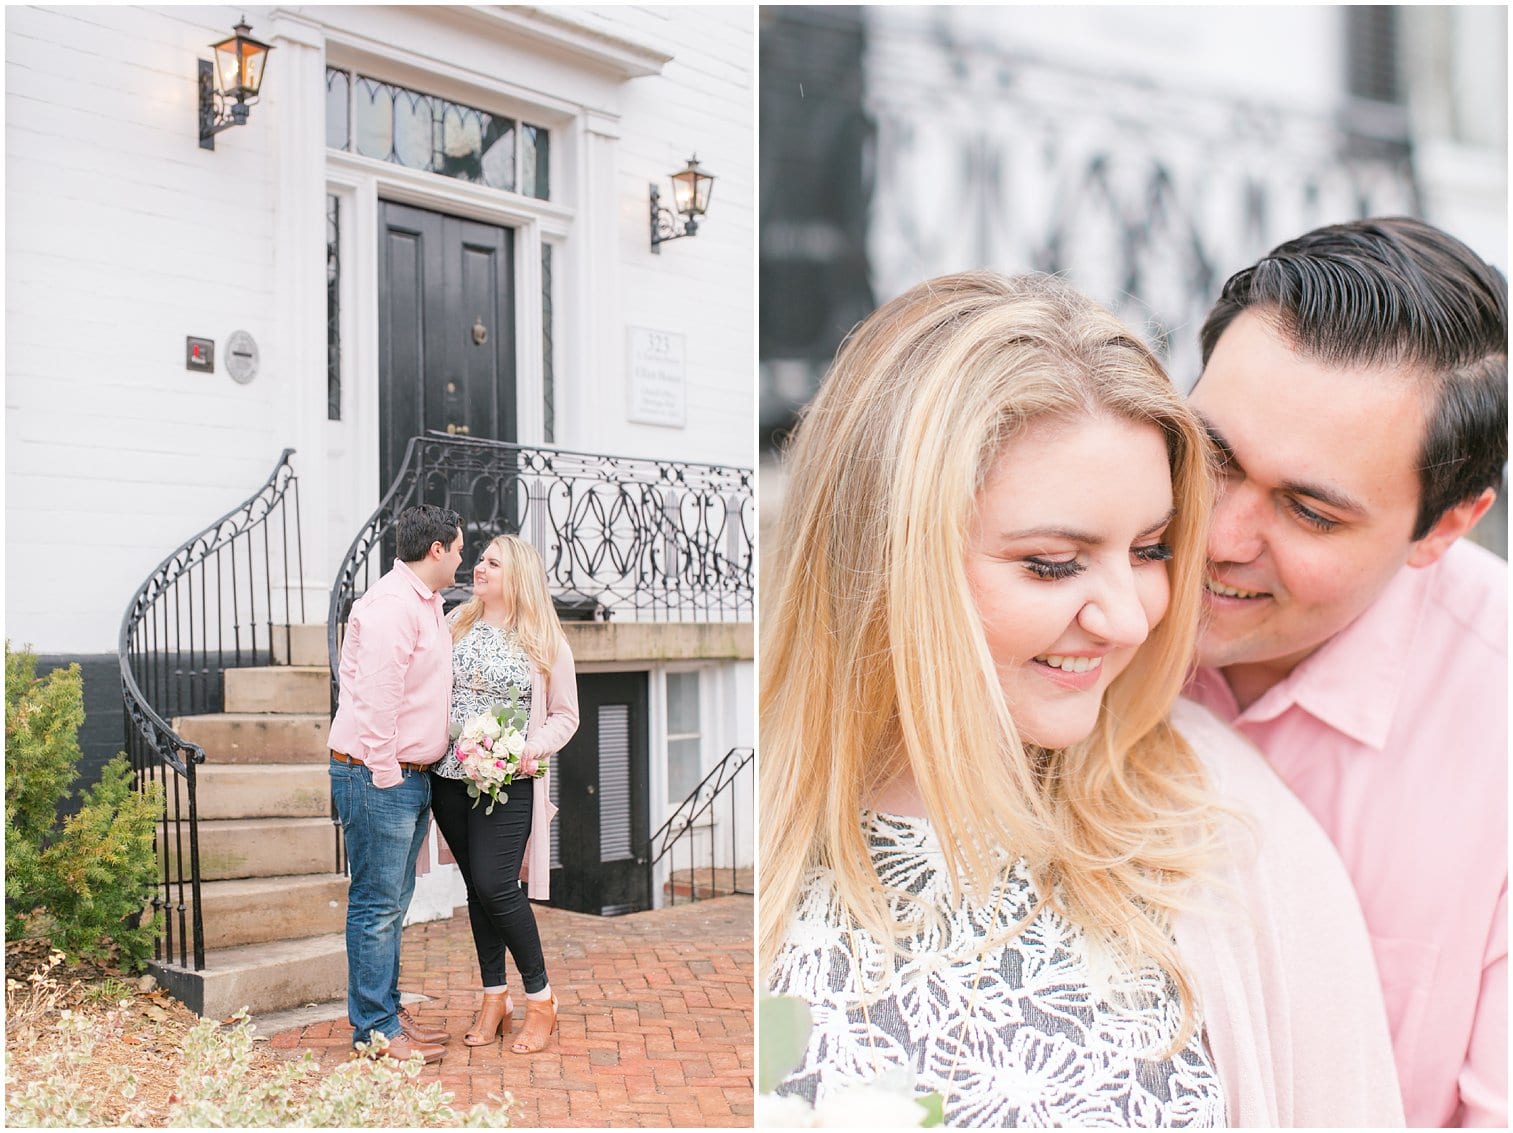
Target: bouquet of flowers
point(490, 747)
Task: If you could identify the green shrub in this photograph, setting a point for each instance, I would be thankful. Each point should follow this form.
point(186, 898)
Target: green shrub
point(83, 883)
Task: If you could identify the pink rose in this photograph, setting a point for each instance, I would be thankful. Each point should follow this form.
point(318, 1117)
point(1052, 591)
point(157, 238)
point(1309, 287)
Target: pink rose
point(499, 763)
point(488, 744)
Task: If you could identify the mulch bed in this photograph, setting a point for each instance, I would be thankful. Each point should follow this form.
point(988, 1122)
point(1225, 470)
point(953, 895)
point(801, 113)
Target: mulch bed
point(148, 1041)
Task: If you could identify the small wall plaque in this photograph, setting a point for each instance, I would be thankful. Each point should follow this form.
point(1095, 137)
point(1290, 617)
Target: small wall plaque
point(241, 357)
point(657, 377)
point(199, 355)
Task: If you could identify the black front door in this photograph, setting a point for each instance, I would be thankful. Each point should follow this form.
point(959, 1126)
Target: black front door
point(446, 330)
point(599, 841)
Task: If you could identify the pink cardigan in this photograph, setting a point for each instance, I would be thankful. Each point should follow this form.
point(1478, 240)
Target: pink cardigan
point(552, 722)
point(1280, 956)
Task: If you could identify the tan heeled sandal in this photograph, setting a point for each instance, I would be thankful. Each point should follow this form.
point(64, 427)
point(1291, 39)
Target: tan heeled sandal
point(495, 1017)
point(540, 1022)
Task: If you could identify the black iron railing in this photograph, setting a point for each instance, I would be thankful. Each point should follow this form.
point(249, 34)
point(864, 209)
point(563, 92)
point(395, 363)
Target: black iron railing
point(689, 818)
point(211, 605)
point(622, 537)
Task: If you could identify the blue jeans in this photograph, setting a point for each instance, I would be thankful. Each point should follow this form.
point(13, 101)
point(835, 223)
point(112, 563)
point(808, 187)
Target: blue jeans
point(383, 831)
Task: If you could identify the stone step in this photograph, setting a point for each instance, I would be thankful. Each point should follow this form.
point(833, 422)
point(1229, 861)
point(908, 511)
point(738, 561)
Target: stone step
point(254, 737)
point(256, 847)
point(257, 910)
point(262, 977)
point(279, 688)
point(699, 883)
point(249, 790)
point(307, 641)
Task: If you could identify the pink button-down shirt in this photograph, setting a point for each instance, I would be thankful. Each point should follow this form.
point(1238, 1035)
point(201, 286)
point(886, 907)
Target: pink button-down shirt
point(395, 677)
point(1395, 735)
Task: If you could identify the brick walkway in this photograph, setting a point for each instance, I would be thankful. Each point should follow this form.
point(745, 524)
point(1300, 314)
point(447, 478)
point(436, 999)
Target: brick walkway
point(655, 1018)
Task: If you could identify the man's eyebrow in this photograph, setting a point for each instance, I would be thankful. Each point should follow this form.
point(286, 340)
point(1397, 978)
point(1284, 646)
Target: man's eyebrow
point(1329, 496)
point(1337, 500)
point(1217, 439)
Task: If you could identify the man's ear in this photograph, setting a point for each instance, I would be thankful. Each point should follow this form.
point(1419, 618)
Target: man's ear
point(1451, 526)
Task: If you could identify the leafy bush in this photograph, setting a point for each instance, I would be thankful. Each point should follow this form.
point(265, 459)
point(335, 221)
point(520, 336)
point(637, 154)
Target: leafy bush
point(82, 884)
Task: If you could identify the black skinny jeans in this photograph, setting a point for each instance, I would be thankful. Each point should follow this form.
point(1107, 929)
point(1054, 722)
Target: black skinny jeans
point(489, 849)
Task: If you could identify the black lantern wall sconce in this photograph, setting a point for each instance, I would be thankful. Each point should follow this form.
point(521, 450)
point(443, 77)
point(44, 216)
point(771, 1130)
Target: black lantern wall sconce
point(229, 86)
point(690, 194)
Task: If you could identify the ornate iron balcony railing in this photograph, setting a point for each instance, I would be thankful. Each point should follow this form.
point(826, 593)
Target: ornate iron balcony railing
point(209, 606)
point(622, 537)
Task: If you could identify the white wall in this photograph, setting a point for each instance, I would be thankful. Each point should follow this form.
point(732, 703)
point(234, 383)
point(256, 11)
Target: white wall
point(123, 237)
point(702, 287)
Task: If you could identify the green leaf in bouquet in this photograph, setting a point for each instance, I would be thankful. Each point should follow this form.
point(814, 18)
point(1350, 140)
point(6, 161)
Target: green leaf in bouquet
point(785, 1026)
point(935, 1110)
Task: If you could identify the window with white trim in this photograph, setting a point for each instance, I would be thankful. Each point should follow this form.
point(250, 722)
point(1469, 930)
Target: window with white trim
point(685, 738)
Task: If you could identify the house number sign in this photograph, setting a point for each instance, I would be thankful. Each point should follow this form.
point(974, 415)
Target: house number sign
point(658, 377)
point(241, 357)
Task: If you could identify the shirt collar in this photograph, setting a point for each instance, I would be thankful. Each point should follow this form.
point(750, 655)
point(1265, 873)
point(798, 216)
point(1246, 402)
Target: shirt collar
point(413, 579)
point(1352, 683)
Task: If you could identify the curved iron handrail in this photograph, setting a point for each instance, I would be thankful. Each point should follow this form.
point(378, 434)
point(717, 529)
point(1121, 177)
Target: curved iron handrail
point(700, 801)
point(155, 627)
point(358, 551)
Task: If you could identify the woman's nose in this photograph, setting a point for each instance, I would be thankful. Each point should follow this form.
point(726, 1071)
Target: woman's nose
point(1116, 614)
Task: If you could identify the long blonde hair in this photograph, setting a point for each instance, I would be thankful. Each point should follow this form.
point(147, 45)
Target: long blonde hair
point(529, 604)
point(873, 656)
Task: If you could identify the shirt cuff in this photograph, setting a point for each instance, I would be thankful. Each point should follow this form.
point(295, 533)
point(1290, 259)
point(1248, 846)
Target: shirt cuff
point(387, 776)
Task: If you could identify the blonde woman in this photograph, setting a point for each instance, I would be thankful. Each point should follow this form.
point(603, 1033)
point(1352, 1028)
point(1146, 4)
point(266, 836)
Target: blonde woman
point(506, 637)
point(995, 859)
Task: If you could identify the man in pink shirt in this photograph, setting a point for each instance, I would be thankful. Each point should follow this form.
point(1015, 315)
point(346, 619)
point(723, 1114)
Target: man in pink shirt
point(395, 684)
point(1355, 385)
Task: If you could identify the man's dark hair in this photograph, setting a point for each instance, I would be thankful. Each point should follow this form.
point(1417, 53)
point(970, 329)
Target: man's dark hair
point(419, 526)
point(1398, 292)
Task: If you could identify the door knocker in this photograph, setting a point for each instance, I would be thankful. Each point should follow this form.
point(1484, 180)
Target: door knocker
point(480, 332)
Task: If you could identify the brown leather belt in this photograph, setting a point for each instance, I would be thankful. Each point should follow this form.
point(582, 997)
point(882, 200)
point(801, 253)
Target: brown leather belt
point(340, 758)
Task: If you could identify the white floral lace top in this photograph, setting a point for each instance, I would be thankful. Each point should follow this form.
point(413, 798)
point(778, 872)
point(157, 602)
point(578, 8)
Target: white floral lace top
point(485, 663)
point(1018, 1037)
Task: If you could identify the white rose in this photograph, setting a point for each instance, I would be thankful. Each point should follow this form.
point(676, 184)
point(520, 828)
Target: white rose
point(869, 1106)
point(774, 1112)
point(514, 743)
point(489, 726)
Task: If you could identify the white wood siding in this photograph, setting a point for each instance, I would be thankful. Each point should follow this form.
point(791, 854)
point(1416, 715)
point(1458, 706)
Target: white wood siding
point(123, 237)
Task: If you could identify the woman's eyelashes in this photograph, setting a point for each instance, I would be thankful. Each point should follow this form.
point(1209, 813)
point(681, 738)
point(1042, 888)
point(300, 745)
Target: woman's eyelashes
point(1153, 553)
point(1053, 569)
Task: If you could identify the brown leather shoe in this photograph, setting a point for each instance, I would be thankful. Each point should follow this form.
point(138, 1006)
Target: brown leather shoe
point(401, 1047)
point(419, 1032)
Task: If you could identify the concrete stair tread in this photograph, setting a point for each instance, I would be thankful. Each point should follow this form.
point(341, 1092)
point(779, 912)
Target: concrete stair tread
point(254, 717)
point(253, 955)
point(278, 689)
point(322, 669)
point(239, 824)
point(263, 770)
point(261, 736)
point(267, 976)
point(257, 886)
point(246, 910)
